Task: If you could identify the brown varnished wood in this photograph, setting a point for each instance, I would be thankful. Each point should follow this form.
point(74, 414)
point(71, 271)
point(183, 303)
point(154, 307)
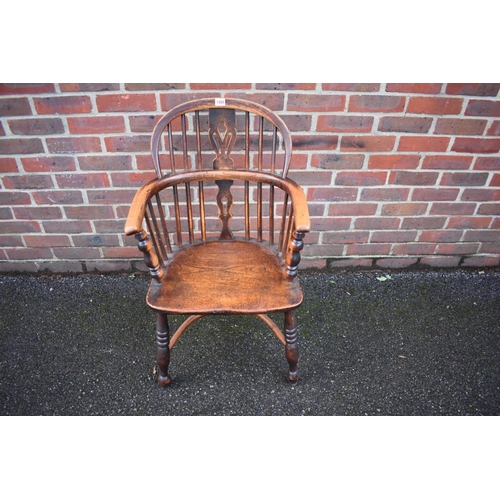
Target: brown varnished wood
point(232, 145)
point(234, 277)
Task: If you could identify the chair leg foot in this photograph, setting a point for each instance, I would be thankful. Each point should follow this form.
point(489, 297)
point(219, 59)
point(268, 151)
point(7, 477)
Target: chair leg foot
point(162, 349)
point(291, 347)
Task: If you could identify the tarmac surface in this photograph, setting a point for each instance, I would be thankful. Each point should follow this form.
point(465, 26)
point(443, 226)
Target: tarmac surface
point(371, 343)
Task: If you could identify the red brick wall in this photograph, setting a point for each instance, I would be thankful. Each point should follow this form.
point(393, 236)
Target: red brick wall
point(395, 174)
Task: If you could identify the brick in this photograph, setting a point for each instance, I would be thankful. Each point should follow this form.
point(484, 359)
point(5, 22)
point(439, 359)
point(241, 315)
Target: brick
point(28, 253)
point(15, 266)
point(220, 86)
point(8, 165)
point(127, 143)
point(490, 247)
point(352, 209)
point(143, 123)
point(394, 161)
point(414, 88)
point(88, 87)
point(384, 194)
point(49, 164)
point(15, 106)
point(440, 261)
point(440, 194)
point(495, 224)
point(367, 143)
point(376, 104)
point(414, 249)
point(36, 126)
point(473, 145)
point(360, 178)
point(55, 266)
point(311, 178)
point(111, 197)
point(346, 237)
point(37, 213)
point(21, 146)
point(351, 87)
point(495, 180)
point(402, 209)
point(314, 142)
point(14, 198)
point(298, 123)
point(435, 105)
point(412, 178)
point(489, 209)
point(452, 208)
point(67, 226)
point(27, 181)
point(338, 162)
point(315, 102)
point(19, 227)
point(446, 236)
point(120, 252)
point(5, 213)
point(89, 212)
point(344, 123)
point(96, 124)
point(336, 263)
point(322, 250)
point(481, 261)
point(482, 235)
point(107, 266)
point(460, 126)
point(76, 253)
point(396, 263)
point(82, 181)
point(105, 163)
point(487, 163)
point(330, 224)
point(475, 222)
point(169, 100)
point(494, 129)
point(47, 240)
point(26, 88)
point(313, 264)
point(137, 87)
point(58, 197)
point(368, 249)
point(2, 130)
point(471, 194)
point(447, 162)
point(11, 240)
point(479, 89)
point(482, 107)
point(423, 143)
point(405, 124)
point(126, 102)
point(457, 248)
point(96, 240)
point(62, 105)
point(332, 194)
point(130, 179)
point(423, 223)
point(61, 145)
point(393, 236)
point(464, 178)
point(377, 223)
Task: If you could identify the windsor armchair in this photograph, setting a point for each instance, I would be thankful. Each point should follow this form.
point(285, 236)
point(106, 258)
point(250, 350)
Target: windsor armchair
point(221, 231)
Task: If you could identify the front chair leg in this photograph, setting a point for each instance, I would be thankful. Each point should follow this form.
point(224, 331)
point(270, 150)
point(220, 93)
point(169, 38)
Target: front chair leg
point(163, 350)
point(291, 346)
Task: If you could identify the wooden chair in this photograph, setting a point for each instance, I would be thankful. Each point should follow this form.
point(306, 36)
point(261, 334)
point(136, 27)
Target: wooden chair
point(222, 231)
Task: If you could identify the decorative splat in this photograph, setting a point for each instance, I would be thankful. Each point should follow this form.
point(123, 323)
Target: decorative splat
point(225, 202)
point(222, 134)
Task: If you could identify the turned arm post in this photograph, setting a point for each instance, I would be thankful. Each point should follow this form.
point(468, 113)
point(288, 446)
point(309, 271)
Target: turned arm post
point(293, 256)
point(150, 257)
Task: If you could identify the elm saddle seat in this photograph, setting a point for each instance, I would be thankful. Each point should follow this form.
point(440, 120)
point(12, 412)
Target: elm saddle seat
point(222, 232)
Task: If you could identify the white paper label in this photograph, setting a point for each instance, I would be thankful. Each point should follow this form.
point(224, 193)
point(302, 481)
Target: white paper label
point(220, 102)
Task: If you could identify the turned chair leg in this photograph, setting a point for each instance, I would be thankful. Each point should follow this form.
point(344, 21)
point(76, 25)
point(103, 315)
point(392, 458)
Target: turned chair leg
point(291, 347)
point(163, 350)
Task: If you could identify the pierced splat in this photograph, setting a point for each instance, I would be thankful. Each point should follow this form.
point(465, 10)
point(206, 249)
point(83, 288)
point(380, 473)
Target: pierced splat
point(225, 202)
point(222, 134)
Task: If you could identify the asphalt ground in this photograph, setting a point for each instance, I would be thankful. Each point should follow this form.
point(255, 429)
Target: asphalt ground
point(371, 343)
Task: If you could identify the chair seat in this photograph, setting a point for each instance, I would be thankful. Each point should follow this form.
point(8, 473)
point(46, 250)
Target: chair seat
point(224, 277)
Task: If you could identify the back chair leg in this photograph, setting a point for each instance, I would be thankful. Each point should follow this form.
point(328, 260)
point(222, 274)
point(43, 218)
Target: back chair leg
point(291, 347)
point(163, 350)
